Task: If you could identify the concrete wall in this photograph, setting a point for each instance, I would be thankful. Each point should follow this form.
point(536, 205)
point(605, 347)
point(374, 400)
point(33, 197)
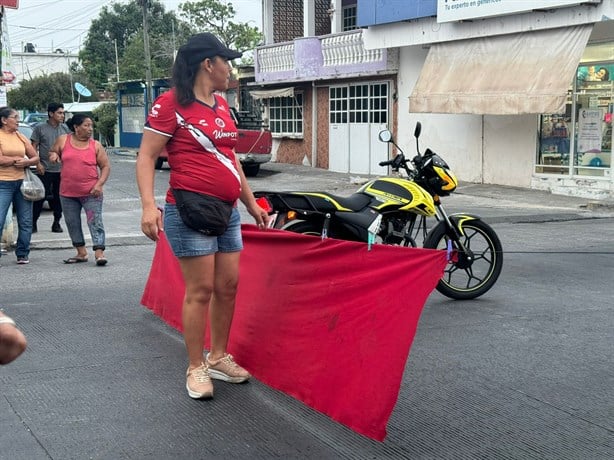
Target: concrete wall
point(509, 149)
point(29, 65)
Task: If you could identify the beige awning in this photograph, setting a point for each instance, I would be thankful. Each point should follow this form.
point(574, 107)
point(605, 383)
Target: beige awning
point(268, 93)
point(528, 72)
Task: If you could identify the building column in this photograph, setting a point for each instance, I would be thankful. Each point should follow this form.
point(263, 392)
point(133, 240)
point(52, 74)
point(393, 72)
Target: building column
point(267, 21)
point(336, 16)
point(309, 18)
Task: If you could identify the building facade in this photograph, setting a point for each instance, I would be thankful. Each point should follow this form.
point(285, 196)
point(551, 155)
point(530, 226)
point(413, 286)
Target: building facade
point(29, 65)
point(511, 93)
point(325, 96)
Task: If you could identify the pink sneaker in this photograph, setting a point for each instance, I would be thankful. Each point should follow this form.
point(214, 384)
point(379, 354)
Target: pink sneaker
point(227, 370)
point(198, 383)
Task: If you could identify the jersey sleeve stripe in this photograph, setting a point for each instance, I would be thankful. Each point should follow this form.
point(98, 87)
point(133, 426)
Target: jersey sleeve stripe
point(149, 128)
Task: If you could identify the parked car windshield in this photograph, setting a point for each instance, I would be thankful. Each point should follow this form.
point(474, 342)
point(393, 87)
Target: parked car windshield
point(34, 118)
point(25, 129)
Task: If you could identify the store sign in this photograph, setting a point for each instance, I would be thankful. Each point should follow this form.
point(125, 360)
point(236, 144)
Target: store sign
point(463, 10)
point(10, 3)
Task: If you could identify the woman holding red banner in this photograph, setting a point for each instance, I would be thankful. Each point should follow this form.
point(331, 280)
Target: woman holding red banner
point(194, 124)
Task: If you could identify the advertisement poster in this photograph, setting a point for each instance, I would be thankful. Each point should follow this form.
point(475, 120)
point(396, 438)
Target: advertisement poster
point(589, 130)
point(596, 73)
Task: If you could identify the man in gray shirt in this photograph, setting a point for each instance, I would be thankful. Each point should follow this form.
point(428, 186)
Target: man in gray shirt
point(43, 137)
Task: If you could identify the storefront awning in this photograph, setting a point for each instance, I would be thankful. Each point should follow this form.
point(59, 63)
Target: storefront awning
point(528, 72)
point(268, 93)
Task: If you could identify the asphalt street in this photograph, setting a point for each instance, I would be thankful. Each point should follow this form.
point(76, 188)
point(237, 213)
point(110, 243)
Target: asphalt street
point(523, 372)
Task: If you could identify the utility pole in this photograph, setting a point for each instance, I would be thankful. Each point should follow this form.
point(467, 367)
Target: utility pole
point(116, 59)
point(148, 98)
point(3, 96)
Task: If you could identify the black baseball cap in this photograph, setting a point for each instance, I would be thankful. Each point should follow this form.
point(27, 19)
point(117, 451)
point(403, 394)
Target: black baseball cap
point(206, 45)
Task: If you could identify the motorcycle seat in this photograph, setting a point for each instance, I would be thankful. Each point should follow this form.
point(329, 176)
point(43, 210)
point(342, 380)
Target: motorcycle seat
point(354, 202)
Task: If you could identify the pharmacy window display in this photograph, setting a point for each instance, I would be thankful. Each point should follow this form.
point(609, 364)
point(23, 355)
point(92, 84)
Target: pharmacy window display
point(579, 142)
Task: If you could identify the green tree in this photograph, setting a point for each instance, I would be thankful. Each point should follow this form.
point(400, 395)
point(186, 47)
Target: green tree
point(121, 24)
point(35, 94)
point(105, 116)
point(216, 16)
point(131, 64)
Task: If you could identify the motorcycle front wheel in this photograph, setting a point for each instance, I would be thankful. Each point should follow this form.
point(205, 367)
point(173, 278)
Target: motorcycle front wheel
point(464, 281)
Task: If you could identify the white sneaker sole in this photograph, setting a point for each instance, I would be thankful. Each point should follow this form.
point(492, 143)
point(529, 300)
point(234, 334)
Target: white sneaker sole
point(217, 375)
point(194, 395)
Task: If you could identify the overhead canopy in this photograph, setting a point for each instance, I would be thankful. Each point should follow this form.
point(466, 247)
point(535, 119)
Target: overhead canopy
point(268, 93)
point(528, 72)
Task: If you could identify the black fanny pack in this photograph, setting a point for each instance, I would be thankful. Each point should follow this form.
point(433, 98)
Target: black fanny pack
point(204, 213)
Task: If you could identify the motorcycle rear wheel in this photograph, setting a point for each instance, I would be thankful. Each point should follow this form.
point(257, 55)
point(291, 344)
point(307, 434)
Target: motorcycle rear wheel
point(477, 279)
point(304, 227)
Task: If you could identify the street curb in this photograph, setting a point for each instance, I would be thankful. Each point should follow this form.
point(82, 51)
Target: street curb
point(123, 152)
point(111, 241)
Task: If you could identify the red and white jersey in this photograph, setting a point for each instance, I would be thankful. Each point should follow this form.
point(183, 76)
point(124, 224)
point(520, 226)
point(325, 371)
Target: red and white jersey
point(201, 146)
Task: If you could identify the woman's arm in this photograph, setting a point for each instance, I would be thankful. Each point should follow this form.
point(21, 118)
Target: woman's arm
point(32, 155)
point(102, 160)
point(247, 198)
point(6, 160)
point(55, 152)
point(149, 150)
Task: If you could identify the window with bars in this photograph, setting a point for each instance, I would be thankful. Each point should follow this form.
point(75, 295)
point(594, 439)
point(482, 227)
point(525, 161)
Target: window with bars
point(364, 103)
point(286, 115)
point(349, 18)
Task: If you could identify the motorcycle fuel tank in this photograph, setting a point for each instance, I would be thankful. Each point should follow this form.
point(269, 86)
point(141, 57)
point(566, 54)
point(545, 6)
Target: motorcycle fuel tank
point(399, 194)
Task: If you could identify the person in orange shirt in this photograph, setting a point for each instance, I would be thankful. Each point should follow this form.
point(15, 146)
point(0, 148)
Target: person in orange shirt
point(16, 154)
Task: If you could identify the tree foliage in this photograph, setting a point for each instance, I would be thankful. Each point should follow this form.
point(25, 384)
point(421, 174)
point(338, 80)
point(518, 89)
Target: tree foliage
point(34, 95)
point(105, 116)
point(216, 16)
point(122, 24)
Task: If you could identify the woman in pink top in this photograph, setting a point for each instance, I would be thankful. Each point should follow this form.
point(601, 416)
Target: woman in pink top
point(85, 169)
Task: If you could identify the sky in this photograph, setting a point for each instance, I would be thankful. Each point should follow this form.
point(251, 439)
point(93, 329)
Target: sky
point(63, 24)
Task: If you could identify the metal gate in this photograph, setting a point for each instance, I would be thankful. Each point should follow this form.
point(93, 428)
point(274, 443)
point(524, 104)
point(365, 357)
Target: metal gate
point(357, 113)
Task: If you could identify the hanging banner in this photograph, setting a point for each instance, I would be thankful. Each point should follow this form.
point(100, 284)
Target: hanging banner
point(325, 321)
point(8, 72)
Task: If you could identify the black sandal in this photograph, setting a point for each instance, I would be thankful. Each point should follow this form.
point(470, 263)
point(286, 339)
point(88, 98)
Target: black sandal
point(75, 260)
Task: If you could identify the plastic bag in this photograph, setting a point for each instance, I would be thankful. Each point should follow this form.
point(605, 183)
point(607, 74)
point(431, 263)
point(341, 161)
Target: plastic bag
point(32, 187)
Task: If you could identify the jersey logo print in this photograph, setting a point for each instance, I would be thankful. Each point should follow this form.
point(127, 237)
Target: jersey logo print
point(208, 145)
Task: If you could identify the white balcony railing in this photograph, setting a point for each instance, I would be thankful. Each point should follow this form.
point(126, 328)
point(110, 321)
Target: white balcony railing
point(347, 49)
point(276, 58)
point(333, 54)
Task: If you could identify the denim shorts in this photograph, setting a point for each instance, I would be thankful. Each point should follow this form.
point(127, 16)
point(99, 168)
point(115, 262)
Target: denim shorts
point(186, 242)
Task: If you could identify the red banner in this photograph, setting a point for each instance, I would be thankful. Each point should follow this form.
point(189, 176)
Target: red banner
point(327, 322)
point(10, 3)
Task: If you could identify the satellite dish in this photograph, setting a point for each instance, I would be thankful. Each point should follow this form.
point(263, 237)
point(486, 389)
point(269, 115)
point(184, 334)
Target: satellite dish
point(82, 90)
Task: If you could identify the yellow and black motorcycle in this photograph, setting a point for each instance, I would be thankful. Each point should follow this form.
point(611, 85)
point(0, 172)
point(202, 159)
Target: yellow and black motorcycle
point(394, 210)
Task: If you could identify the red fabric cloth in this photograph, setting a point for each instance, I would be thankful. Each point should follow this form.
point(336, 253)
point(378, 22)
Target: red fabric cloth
point(327, 322)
